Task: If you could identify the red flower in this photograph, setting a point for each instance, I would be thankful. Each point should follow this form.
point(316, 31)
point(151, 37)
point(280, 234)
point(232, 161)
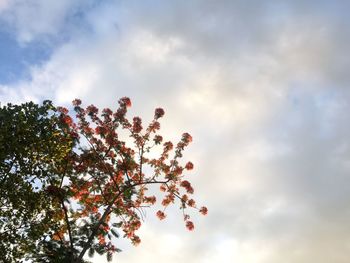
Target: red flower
point(120, 114)
point(160, 215)
point(74, 135)
point(91, 110)
point(168, 199)
point(203, 210)
point(186, 138)
point(158, 139)
point(189, 166)
point(178, 171)
point(135, 240)
point(107, 111)
point(125, 102)
point(187, 185)
point(137, 127)
point(191, 203)
point(62, 110)
point(100, 130)
point(67, 120)
point(150, 200)
point(101, 239)
point(162, 188)
point(158, 113)
point(168, 146)
point(76, 102)
point(189, 225)
point(155, 125)
point(135, 225)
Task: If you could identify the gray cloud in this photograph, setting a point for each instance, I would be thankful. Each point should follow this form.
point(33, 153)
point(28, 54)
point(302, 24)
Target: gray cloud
point(263, 89)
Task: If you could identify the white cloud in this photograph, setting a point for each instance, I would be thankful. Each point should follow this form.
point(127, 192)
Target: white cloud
point(31, 20)
point(263, 90)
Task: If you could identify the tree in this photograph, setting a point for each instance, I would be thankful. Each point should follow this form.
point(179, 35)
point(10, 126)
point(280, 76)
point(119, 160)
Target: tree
point(98, 185)
point(32, 148)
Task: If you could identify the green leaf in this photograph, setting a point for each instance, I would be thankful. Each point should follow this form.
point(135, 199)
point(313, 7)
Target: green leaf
point(109, 256)
point(119, 224)
point(115, 233)
point(91, 252)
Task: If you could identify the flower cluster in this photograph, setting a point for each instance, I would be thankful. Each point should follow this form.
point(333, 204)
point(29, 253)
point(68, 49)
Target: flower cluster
point(161, 215)
point(203, 210)
point(158, 113)
point(189, 166)
point(189, 225)
point(187, 185)
point(137, 127)
point(125, 102)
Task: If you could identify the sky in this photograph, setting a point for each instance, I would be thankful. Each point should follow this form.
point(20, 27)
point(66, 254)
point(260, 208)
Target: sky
point(262, 86)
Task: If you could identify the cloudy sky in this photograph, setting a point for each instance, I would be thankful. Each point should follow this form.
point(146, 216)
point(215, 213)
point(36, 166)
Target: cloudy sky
point(263, 87)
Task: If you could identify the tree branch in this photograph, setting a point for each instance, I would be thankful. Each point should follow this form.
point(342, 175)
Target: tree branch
point(106, 213)
point(68, 227)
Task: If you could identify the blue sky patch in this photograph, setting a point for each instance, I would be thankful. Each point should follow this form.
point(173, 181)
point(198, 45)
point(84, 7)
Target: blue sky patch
point(16, 59)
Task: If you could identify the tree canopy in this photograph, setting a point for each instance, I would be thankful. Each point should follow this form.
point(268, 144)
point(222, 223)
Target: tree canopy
point(33, 147)
point(72, 184)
